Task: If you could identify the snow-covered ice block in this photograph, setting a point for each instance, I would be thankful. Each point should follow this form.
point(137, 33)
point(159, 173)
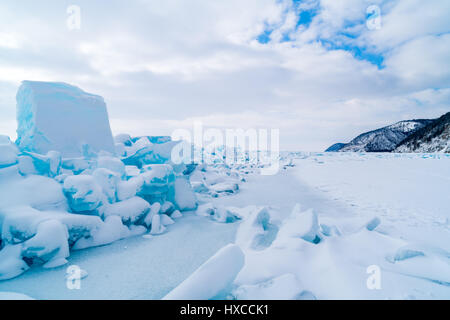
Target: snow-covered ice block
point(225, 187)
point(405, 253)
point(219, 213)
point(257, 230)
point(20, 223)
point(131, 211)
point(120, 150)
point(284, 287)
point(61, 177)
point(9, 172)
point(39, 192)
point(167, 208)
point(184, 197)
point(49, 245)
point(162, 152)
point(4, 139)
point(216, 181)
point(83, 193)
point(109, 231)
point(157, 226)
point(154, 210)
point(373, 224)
point(213, 278)
point(11, 262)
point(128, 189)
point(158, 179)
point(108, 181)
point(123, 138)
point(303, 225)
point(143, 152)
point(8, 153)
point(132, 171)
point(176, 214)
point(199, 187)
point(136, 230)
point(26, 165)
point(112, 163)
point(76, 165)
point(205, 209)
point(139, 153)
point(306, 295)
point(329, 230)
point(9, 160)
point(61, 117)
point(158, 174)
point(159, 139)
point(47, 165)
point(166, 220)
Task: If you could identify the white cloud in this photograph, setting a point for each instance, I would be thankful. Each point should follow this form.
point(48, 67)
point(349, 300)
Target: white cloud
point(423, 62)
point(403, 21)
point(9, 40)
point(160, 64)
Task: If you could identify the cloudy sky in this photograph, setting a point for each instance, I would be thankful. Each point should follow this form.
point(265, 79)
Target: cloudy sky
point(312, 68)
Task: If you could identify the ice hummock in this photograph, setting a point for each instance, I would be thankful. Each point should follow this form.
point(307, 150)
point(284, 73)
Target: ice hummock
point(218, 273)
point(61, 117)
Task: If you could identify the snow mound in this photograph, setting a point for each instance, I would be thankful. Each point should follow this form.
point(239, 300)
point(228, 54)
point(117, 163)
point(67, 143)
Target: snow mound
point(304, 225)
point(131, 211)
point(166, 220)
point(339, 265)
point(258, 230)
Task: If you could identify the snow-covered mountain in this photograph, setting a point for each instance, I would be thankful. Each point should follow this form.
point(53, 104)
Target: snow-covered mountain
point(336, 147)
point(384, 139)
point(435, 137)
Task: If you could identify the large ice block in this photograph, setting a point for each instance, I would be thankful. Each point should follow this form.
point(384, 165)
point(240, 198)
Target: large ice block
point(61, 117)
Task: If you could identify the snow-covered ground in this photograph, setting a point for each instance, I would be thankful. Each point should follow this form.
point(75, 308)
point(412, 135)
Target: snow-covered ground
point(134, 268)
point(383, 224)
point(409, 192)
point(378, 229)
